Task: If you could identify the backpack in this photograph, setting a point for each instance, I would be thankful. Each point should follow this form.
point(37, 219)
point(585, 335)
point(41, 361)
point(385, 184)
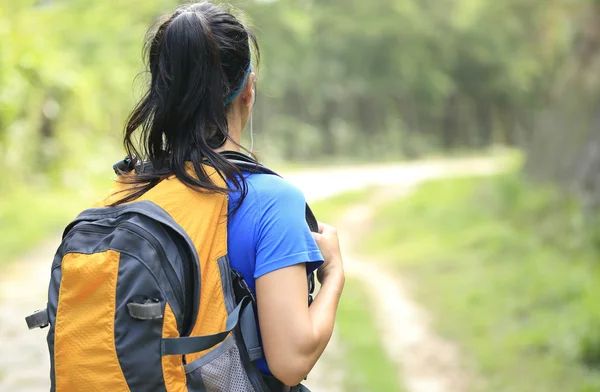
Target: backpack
point(142, 297)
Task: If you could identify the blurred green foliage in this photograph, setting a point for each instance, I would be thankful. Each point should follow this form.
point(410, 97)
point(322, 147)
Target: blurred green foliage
point(377, 79)
point(28, 216)
point(510, 271)
point(66, 81)
point(66, 72)
point(14, 215)
point(401, 78)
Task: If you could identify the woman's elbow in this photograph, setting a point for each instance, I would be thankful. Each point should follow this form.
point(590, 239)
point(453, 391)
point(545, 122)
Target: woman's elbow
point(291, 372)
point(291, 366)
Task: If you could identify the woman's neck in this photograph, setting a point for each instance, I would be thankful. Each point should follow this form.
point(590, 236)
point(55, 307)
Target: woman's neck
point(234, 125)
point(228, 146)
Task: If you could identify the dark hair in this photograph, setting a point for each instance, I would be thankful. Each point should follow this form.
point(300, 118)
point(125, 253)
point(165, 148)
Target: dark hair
point(198, 57)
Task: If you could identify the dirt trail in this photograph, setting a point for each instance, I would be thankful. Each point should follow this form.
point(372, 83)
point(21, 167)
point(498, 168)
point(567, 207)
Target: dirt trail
point(24, 359)
point(24, 362)
point(425, 362)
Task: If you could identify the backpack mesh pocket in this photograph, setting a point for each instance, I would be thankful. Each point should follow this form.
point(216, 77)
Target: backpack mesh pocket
point(221, 370)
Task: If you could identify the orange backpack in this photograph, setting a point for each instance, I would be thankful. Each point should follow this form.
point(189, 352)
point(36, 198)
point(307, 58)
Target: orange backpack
point(142, 297)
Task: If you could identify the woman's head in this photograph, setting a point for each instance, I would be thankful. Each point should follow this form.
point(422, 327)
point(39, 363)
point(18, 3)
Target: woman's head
point(200, 96)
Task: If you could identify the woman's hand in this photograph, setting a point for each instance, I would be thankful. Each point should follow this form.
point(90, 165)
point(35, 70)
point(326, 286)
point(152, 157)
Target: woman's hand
point(329, 245)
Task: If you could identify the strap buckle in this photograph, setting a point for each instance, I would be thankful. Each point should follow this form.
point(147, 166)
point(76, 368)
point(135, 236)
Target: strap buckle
point(124, 166)
point(240, 287)
point(38, 319)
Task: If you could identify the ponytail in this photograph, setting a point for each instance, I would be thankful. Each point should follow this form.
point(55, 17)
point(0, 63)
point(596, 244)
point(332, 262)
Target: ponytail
point(198, 60)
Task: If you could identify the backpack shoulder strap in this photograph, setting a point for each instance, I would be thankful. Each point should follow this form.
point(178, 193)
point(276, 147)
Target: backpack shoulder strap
point(247, 164)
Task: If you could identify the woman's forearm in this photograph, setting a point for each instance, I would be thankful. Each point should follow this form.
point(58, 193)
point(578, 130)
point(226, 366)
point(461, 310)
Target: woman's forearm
point(324, 308)
point(294, 334)
point(309, 349)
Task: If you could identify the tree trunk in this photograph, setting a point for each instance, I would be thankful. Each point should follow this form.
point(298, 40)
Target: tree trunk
point(484, 123)
point(327, 115)
point(449, 123)
point(565, 147)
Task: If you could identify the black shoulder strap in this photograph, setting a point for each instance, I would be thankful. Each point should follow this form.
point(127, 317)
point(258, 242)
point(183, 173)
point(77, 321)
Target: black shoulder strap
point(247, 164)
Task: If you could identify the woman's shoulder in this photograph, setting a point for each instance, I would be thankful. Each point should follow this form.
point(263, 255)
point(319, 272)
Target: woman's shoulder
point(270, 188)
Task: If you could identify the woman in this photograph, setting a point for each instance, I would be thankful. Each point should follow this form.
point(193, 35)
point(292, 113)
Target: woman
point(200, 99)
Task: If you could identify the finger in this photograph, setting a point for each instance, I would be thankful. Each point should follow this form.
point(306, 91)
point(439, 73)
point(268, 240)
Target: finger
point(323, 227)
point(317, 236)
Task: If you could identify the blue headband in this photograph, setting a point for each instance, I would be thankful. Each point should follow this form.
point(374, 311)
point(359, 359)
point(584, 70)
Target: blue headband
point(239, 90)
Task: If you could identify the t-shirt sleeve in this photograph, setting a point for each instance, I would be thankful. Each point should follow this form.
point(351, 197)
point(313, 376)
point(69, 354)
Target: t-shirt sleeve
point(283, 236)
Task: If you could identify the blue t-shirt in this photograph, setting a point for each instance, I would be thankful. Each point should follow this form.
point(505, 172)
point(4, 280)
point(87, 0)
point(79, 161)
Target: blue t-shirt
point(269, 231)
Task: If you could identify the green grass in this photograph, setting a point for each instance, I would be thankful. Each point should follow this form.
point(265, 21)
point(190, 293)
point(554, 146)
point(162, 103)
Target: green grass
point(28, 216)
point(509, 271)
point(328, 210)
point(367, 367)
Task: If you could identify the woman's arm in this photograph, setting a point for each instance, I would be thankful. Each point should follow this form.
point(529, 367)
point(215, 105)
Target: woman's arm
point(295, 335)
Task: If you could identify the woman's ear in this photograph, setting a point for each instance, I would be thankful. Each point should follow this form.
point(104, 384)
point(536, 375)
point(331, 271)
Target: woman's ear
point(248, 94)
